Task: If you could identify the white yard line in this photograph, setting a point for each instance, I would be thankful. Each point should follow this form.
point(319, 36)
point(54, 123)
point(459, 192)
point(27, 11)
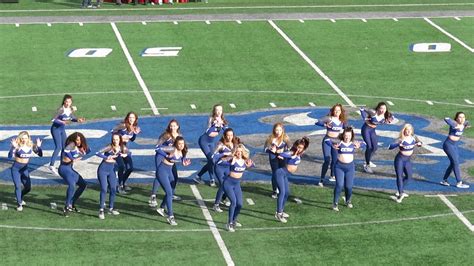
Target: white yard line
point(449, 35)
point(457, 212)
point(312, 104)
point(395, 19)
point(212, 226)
point(273, 105)
point(468, 102)
point(135, 70)
point(234, 7)
point(312, 64)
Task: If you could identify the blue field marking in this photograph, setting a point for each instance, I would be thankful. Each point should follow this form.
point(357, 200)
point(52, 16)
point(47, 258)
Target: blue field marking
point(193, 126)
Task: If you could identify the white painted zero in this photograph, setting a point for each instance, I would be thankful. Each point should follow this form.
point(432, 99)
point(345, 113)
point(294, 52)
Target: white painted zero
point(90, 52)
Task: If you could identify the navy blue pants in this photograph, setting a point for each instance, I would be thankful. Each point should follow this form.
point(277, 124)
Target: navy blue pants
point(283, 187)
point(165, 177)
point(330, 158)
point(344, 180)
point(275, 163)
point(370, 137)
point(207, 147)
point(403, 170)
point(156, 183)
point(125, 168)
point(107, 178)
point(451, 149)
point(221, 171)
point(59, 137)
point(234, 192)
point(72, 178)
point(21, 175)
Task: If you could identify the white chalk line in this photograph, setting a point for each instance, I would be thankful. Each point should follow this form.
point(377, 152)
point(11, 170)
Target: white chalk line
point(311, 226)
point(234, 7)
point(449, 35)
point(457, 212)
point(135, 70)
point(212, 226)
point(233, 91)
point(312, 64)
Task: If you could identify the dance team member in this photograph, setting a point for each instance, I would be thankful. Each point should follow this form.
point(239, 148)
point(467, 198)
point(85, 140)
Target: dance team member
point(345, 168)
point(76, 148)
point(22, 148)
point(165, 175)
point(334, 123)
point(64, 115)
point(293, 159)
point(450, 147)
point(406, 142)
point(372, 119)
point(276, 143)
point(106, 172)
point(216, 123)
point(165, 141)
point(128, 129)
point(239, 162)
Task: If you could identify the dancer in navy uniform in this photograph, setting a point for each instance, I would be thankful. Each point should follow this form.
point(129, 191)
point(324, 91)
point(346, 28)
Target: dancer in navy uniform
point(76, 148)
point(64, 115)
point(165, 142)
point(345, 167)
point(450, 147)
point(128, 129)
point(106, 173)
point(239, 162)
point(216, 124)
point(334, 123)
point(293, 159)
point(222, 164)
point(165, 175)
point(403, 169)
point(276, 143)
point(21, 150)
point(372, 119)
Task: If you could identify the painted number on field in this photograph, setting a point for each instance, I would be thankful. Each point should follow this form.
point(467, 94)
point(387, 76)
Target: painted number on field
point(161, 51)
point(90, 52)
point(430, 47)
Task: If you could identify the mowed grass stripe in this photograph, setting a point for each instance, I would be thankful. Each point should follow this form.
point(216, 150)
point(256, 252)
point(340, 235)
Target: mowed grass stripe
point(374, 58)
point(463, 29)
point(222, 56)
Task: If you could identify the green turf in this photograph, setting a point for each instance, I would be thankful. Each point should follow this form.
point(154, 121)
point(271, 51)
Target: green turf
point(462, 29)
point(321, 240)
point(71, 7)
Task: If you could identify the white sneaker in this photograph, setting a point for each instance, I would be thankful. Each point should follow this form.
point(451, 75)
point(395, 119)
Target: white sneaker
point(367, 169)
point(405, 195)
point(321, 184)
point(176, 198)
point(216, 208)
point(461, 185)
point(280, 218)
point(371, 164)
point(332, 179)
point(298, 200)
point(161, 211)
point(237, 224)
point(127, 188)
point(101, 214)
point(172, 221)
point(274, 195)
point(53, 170)
point(152, 202)
point(285, 215)
point(114, 212)
point(335, 208)
point(230, 228)
point(227, 203)
point(19, 208)
point(444, 183)
point(212, 183)
point(397, 199)
point(23, 203)
point(349, 205)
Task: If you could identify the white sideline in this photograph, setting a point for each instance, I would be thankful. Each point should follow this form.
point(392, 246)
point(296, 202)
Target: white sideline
point(457, 212)
point(449, 35)
point(135, 69)
point(312, 64)
point(212, 226)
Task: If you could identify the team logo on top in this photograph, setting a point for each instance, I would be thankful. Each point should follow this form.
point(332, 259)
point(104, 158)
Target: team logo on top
point(430, 47)
point(90, 52)
point(161, 51)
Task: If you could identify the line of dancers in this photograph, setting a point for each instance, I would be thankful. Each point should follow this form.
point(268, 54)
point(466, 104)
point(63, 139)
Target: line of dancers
point(226, 159)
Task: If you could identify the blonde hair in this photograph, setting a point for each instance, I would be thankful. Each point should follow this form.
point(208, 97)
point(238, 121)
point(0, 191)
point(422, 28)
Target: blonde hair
point(282, 138)
point(405, 127)
point(20, 135)
point(245, 151)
